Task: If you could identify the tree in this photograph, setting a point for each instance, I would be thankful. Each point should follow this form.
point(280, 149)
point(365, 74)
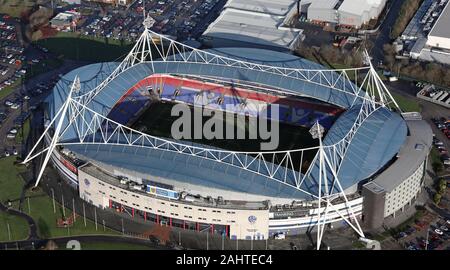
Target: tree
point(437, 166)
point(437, 198)
point(442, 187)
point(389, 55)
point(446, 79)
point(442, 184)
point(50, 245)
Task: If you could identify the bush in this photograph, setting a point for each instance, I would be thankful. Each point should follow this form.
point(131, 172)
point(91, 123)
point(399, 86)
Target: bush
point(436, 162)
point(437, 198)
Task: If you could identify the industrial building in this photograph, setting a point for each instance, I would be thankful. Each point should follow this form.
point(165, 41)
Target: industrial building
point(255, 23)
point(439, 36)
point(353, 13)
point(65, 20)
point(427, 36)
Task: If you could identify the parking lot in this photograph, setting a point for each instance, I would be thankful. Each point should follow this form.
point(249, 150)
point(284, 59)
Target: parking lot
point(430, 233)
point(11, 58)
point(443, 124)
point(180, 19)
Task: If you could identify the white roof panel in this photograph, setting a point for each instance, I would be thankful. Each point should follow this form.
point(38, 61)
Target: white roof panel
point(278, 7)
point(442, 26)
point(323, 4)
point(358, 7)
point(251, 27)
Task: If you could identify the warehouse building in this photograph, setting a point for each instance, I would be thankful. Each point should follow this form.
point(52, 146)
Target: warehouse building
point(344, 12)
point(254, 23)
point(439, 36)
point(427, 36)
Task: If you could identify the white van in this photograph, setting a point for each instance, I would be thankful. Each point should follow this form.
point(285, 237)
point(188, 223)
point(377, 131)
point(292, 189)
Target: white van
point(280, 236)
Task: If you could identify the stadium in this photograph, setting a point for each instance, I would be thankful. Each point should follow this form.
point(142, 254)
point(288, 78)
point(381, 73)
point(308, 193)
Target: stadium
point(360, 139)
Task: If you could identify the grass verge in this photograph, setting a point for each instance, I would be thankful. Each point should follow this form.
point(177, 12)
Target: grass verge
point(23, 132)
point(10, 181)
point(111, 246)
point(79, 47)
point(41, 209)
point(10, 89)
point(406, 104)
point(12, 228)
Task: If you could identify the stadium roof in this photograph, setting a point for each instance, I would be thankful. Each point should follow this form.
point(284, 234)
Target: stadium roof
point(441, 27)
point(375, 142)
point(186, 171)
point(251, 27)
point(107, 98)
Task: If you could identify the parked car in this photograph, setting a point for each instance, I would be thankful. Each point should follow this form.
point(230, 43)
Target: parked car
point(280, 236)
point(438, 231)
point(8, 103)
point(154, 239)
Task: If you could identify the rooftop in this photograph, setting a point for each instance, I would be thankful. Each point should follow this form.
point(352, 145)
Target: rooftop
point(374, 187)
point(413, 152)
point(359, 7)
point(102, 175)
point(323, 4)
point(251, 27)
point(279, 7)
point(441, 27)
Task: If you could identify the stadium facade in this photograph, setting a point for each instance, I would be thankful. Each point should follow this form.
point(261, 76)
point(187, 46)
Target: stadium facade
point(364, 142)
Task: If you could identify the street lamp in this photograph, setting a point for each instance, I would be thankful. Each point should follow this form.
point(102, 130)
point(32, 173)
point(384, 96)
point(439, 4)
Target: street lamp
point(317, 131)
point(426, 240)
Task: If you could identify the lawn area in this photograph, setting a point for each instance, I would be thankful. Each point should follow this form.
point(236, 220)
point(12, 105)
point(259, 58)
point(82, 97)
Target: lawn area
point(9, 89)
point(42, 212)
point(15, 8)
point(110, 246)
point(11, 188)
point(406, 104)
point(18, 227)
point(41, 207)
point(10, 182)
point(80, 47)
point(25, 129)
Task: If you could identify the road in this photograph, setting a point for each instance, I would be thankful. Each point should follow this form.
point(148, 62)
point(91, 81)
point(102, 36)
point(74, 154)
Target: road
point(31, 223)
point(62, 242)
point(383, 35)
